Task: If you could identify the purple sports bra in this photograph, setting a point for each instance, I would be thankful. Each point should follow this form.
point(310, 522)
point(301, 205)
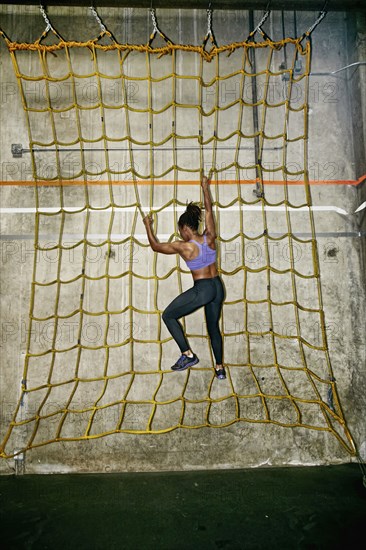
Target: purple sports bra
point(206, 256)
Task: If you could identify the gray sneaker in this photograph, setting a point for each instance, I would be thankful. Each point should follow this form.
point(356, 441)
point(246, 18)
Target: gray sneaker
point(184, 362)
point(220, 373)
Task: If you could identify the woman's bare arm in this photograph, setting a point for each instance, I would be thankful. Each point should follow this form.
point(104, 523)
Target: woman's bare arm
point(209, 219)
point(175, 247)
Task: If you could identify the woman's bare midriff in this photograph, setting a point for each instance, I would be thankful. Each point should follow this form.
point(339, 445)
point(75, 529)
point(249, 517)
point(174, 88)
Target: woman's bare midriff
point(207, 272)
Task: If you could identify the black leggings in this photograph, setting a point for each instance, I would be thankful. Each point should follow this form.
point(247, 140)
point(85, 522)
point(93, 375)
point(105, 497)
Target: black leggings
point(205, 292)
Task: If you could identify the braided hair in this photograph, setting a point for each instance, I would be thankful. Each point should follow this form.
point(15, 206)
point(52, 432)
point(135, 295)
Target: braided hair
point(191, 217)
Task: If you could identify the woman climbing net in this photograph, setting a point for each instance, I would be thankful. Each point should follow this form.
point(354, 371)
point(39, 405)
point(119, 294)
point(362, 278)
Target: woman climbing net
point(199, 253)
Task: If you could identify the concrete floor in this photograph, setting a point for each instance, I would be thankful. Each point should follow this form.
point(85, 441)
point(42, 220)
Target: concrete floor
point(307, 508)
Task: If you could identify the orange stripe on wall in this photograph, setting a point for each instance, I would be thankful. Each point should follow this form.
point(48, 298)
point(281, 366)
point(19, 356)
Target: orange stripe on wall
point(65, 183)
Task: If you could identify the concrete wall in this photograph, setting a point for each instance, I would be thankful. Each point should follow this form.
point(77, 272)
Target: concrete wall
point(336, 152)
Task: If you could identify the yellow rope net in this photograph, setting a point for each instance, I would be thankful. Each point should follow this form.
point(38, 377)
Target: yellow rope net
point(173, 111)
